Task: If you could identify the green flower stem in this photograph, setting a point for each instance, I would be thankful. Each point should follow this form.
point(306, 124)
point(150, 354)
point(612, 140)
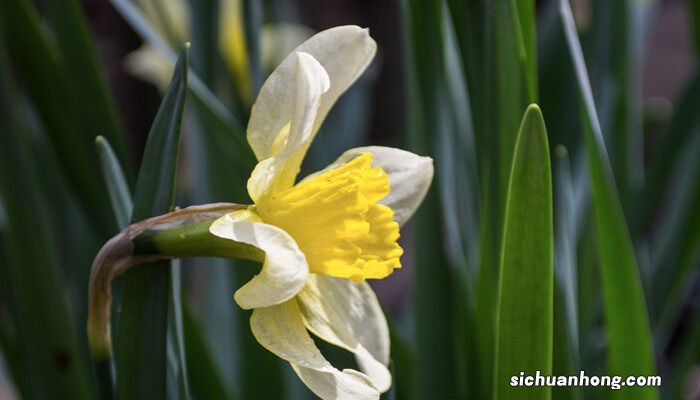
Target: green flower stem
point(181, 233)
point(192, 240)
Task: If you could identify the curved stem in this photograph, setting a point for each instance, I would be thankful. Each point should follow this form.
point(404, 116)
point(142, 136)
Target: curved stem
point(181, 233)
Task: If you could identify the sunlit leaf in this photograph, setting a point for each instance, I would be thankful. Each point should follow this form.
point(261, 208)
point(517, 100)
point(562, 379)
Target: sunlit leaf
point(525, 303)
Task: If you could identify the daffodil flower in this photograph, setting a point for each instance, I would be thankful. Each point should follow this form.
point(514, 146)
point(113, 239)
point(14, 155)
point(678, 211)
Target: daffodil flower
point(331, 231)
point(319, 240)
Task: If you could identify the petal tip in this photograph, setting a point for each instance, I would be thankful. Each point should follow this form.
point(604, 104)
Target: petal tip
point(311, 64)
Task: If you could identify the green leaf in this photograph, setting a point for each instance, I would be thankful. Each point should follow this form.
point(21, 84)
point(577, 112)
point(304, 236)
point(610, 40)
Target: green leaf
point(660, 169)
point(177, 359)
point(459, 202)
point(119, 193)
point(252, 25)
point(677, 247)
point(204, 25)
point(141, 340)
point(204, 376)
point(122, 205)
point(528, 29)
point(565, 249)
point(498, 53)
point(51, 359)
point(120, 197)
point(629, 337)
point(86, 85)
point(616, 47)
point(433, 292)
point(566, 360)
point(525, 304)
point(73, 145)
point(514, 78)
point(402, 365)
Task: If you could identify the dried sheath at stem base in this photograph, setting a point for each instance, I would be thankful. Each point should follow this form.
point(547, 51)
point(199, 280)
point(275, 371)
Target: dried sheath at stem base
point(123, 251)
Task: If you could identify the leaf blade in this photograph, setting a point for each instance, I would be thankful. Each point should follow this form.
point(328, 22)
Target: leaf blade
point(85, 82)
point(117, 186)
point(525, 305)
point(73, 146)
point(141, 346)
point(629, 337)
point(48, 350)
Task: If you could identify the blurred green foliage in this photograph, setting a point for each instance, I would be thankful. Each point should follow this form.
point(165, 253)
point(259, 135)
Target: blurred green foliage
point(590, 264)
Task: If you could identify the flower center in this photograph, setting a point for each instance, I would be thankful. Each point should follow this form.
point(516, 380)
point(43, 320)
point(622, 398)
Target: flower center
point(336, 221)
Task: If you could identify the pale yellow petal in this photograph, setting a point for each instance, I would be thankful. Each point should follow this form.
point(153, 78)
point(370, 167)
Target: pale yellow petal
point(284, 271)
point(409, 174)
point(344, 52)
point(281, 330)
point(348, 315)
point(280, 170)
point(353, 385)
point(149, 65)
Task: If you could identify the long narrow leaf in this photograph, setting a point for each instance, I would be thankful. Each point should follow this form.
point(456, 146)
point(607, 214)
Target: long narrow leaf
point(86, 85)
point(514, 79)
point(526, 22)
point(678, 242)
point(525, 305)
point(434, 284)
point(119, 193)
point(141, 343)
point(50, 357)
point(176, 336)
point(629, 337)
point(670, 146)
point(617, 39)
point(252, 24)
point(205, 378)
point(73, 147)
point(565, 248)
point(122, 206)
point(566, 360)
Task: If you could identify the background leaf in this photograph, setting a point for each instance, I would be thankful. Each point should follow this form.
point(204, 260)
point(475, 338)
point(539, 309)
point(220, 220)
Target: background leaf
point(84, 78)
point(72, 143)
point(629, 338)
point(48, 361)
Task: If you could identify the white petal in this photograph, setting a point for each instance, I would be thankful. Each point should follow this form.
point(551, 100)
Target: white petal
point(354, 385)
point(281, 330)
point(284, 271)
point(343, 51)
point(280, 170)
point(312, 82)
point(348, 315)
point(409, 174)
